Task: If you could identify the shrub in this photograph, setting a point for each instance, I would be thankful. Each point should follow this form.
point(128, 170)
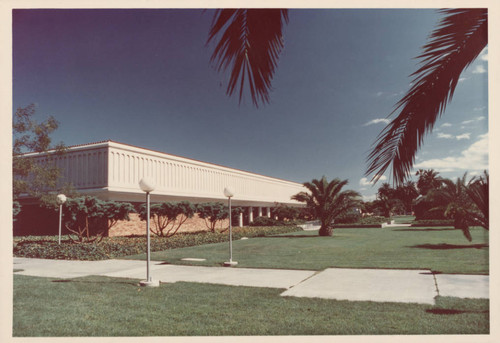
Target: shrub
point(348, 218)
point(90, 218)
point(264, 221)
point(373, 220)
point(168, 217)
point(114, 247)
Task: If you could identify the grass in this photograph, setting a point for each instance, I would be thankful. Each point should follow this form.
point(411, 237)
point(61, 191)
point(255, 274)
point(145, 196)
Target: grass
point(439, 249)
point(102, 306)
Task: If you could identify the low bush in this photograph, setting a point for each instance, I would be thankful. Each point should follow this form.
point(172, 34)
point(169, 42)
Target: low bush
point(372, 220)
point(432, 222)
point(264, 221)
point(114, 247)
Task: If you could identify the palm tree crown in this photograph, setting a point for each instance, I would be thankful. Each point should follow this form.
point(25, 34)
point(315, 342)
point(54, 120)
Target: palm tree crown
point(327, 201)
point(454, 45)
point(250, 43)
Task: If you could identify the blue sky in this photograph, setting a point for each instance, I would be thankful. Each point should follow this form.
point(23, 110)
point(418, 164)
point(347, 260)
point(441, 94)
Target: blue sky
point(143, 77)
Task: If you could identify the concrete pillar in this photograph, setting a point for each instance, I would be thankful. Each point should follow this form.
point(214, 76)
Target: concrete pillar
point(250, 214)
point(240, 219)
point(269, 212)
point(260, 211)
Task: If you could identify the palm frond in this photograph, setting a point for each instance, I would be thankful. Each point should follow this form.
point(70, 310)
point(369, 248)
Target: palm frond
point(454, 45)
point(250, 43)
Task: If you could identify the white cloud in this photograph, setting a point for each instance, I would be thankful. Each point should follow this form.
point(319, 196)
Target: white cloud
point(475, 157)
point(369, 197)
point(462, 79)
point(444, 135)
point(380, 93)
point(467, 121)
point(483, 56)
point(479, 69)
point(481, 118)
point(446, 125)
point(463, 136)
point(376, 121)
point(365, 182)
point(479, 108)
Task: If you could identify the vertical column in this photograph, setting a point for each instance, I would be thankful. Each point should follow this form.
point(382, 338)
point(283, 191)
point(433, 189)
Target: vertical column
point(250, 214)
point(240, 219)
point(269, 212)
point(260, 211)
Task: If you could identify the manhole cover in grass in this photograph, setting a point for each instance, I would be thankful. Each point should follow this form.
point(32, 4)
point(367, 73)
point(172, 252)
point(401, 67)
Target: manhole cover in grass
point(193, 259)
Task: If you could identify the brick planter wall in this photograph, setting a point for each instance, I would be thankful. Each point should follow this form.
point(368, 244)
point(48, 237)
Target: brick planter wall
point(137, 227)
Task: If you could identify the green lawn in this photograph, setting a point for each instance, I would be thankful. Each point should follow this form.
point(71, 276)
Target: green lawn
point(101, 306)
point(440, 249)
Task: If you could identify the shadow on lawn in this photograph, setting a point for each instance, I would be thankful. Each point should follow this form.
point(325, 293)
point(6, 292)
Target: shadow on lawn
point(444, 246)
point(428, 229)
point(452, 311)
point(290, 236)
point(94, 281)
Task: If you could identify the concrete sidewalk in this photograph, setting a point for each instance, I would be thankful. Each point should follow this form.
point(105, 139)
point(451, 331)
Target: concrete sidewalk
point(406, 286)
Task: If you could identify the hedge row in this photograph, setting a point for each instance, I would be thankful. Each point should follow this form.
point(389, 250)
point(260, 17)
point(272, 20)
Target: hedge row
point(115, 247)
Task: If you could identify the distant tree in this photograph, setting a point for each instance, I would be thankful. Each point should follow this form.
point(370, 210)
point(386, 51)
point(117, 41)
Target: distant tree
point(327, 201)
point(478, 191)
point(34, 177)
point(284, 212)
point(427, 180)
point(453, 200)
point(212, 213)
point(407, 193)
point(168, 217)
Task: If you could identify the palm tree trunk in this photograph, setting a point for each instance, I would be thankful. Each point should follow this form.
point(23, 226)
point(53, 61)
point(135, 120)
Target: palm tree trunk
point(326, 230)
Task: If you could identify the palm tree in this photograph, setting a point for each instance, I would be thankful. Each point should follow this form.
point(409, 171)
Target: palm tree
point(455, 44)
point(478, 191)
point(428, 179)
point(327, 201)
point(453, 198)
point(250, 43)
point(251, 40)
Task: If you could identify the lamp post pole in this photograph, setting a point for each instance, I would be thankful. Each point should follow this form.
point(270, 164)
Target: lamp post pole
point(148, 276)
point(229, 193)
point(148, 186)
point(61, 199)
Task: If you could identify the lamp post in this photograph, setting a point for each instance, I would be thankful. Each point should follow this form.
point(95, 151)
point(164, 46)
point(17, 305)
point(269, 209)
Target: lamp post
point(147, 185)
point(61, 199)
point(229, 194)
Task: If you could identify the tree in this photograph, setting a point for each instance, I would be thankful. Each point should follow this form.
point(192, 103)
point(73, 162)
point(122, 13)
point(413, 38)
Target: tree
point(284, 212)
point(457, 41)
point(478, 191)
point(90, 218)
point(428, 179)
point(212, 213)
point(407, 193)
point(80, 216)
point(34, 176)
point(327, 201)
point(250, 43)
point(251, 40)
point(168, 217)
point(453, 200)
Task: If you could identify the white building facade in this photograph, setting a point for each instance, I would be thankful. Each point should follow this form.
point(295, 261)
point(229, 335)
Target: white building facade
point(112, 171)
